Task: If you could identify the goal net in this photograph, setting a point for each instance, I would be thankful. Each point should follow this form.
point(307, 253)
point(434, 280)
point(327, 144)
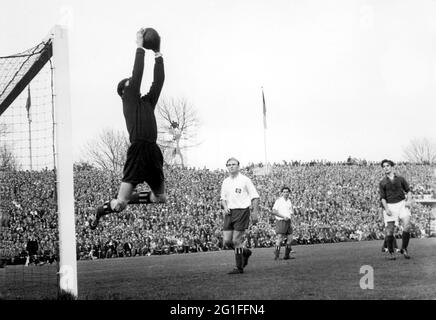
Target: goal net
point(36, 204)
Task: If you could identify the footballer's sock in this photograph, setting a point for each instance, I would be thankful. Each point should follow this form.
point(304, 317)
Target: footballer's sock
point(405, 243)
point(246, 253)
point(140, 197)
point(390, 242)
point(277, 252)
point(288, 250)
point(385, 242)
point(239, 258)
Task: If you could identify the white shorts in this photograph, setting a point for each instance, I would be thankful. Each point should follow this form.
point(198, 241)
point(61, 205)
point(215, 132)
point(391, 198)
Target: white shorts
point(399, 212)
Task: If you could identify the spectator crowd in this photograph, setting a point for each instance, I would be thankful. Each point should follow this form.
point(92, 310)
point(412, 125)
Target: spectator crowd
point(333, 202)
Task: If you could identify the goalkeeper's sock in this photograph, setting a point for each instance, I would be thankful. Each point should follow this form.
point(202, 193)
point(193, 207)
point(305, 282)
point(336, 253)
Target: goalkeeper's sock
point(140, 197)
point(104, 209)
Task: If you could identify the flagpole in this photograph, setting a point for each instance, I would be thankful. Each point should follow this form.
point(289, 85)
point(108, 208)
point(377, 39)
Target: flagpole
point(264, 132)
point(29, 119)
point(30, 143)
point(264, 143)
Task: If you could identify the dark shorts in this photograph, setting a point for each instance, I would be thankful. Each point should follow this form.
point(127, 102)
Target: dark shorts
point(283, 227)
point(144, 163)
point(238, 220)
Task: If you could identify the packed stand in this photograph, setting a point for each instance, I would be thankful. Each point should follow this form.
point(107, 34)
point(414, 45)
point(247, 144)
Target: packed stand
point(334, 202)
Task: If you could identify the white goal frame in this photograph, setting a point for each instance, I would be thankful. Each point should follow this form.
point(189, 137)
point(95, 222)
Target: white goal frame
point(64, 162)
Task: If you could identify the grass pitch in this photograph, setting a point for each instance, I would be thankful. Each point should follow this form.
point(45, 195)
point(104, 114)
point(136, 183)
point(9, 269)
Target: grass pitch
point(322, 271)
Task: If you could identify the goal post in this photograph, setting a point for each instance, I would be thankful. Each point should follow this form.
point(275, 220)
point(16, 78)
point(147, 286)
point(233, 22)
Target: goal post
point(64, 163)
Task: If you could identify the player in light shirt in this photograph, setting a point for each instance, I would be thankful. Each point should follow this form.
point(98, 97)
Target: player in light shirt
point(238, 194)
point(283, 210)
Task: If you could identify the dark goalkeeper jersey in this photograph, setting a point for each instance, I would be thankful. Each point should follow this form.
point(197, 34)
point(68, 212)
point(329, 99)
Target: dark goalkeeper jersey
point(139, 111)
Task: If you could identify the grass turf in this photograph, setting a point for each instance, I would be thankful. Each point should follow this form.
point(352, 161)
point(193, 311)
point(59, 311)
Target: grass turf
point(322, 271)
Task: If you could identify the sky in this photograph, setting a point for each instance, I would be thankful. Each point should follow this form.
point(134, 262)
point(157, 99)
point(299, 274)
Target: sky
point(341, 78)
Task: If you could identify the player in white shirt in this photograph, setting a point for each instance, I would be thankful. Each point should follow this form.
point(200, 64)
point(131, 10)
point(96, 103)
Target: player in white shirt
point(237, 195)
point(283, 210)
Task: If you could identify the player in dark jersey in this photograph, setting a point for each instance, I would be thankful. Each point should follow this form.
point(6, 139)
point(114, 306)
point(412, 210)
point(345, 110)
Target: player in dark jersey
point(144, 161)
point(396, 199)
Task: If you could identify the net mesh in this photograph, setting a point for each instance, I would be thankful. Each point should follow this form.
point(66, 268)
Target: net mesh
point(29, 233)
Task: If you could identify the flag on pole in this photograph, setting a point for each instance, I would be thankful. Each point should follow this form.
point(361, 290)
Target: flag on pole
point(264, 110)
point(28, 102)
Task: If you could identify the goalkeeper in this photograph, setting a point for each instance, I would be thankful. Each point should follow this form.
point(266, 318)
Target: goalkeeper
point(144, 161)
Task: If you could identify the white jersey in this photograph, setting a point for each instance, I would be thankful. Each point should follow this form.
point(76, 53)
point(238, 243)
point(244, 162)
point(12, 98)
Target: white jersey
point(238, 192)
point(284, 207)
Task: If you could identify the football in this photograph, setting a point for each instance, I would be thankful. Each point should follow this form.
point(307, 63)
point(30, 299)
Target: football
point(151, 40)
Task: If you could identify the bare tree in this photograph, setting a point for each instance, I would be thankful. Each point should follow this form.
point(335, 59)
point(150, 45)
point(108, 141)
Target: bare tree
point(3, 129)
point(421, 151)
point(8, 161)
point(178, 124)
point(109, 150)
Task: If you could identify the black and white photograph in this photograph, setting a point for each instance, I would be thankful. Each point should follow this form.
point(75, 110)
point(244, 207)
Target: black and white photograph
point(215, 156)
